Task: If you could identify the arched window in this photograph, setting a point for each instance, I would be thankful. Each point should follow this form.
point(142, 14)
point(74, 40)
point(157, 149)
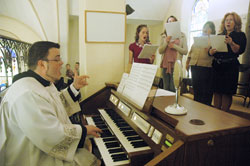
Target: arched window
point(199, 18)
point(13, 59)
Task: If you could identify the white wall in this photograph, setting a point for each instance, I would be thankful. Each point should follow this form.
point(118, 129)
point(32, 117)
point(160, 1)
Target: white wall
point(73, 44)
point(102, 62)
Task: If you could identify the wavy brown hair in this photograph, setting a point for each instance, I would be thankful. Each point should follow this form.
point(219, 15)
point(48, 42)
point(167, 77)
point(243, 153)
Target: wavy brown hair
point(138, 30)
point(237, 22)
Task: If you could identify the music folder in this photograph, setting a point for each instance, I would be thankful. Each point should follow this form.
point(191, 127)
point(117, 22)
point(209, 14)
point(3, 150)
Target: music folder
point(173, 29)
point(148, 51)
point(201, 42)
point(218, 42)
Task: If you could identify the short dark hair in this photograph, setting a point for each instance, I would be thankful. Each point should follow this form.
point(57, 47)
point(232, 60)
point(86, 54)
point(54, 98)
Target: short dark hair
point(172, 17)
point(138, 30)
point(78, 63)
point(211, 25)
point(39, 50)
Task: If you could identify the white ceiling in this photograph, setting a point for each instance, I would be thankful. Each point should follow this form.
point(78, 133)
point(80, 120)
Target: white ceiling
point(39, 15)
point(152, 10)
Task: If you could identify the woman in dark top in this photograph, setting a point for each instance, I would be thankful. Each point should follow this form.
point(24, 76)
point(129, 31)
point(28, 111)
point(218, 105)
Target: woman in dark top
point(226, 64)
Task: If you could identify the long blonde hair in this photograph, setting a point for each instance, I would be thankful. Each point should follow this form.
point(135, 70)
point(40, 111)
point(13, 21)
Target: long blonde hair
point(237, 21)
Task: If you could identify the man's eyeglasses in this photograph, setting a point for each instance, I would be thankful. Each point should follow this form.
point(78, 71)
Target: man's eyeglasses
point(55, 60)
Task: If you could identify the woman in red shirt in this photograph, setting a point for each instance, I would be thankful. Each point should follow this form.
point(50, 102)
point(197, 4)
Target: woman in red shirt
point(141, 38)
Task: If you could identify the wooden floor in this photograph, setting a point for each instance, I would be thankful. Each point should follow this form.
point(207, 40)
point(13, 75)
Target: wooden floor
point(238, 105)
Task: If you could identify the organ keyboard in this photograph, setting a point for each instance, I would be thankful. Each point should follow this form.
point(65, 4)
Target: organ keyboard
point(111, 150)
point(126, 137)
point(151, 137)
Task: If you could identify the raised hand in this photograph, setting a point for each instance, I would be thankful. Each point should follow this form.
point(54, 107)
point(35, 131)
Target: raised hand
point(212, 51)
point(152, 58)
point(80, 81)
point(171, 45)
point(228, 40)
point(168, 38)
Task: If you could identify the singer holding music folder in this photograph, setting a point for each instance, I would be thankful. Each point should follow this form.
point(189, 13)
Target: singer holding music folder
point(171, 50)
point(201, 66)
point(226, 64)
point(135, 48)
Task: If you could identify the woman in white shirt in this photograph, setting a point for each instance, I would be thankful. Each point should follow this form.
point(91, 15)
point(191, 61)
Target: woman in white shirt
point(201, 68)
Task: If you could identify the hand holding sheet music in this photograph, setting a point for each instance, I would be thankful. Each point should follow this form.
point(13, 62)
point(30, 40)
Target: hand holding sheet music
point(173, 29)
point(148, 51)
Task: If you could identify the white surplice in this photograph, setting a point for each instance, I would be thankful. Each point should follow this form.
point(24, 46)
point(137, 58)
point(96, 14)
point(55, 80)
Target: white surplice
point(35, 129)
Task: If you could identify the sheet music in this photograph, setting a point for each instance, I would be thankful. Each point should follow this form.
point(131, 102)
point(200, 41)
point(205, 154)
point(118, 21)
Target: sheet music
point(173, 29)
point(148, 51)
point(163, 92)
point(139, 82)
point(201, 42)
point(122, 83)
point(218, 42)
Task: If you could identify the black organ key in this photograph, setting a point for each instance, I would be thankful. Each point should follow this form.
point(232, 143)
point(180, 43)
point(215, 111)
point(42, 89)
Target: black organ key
point(109, 139)
point(122, 124)
point(102, 126)
point(139, 144)
point(112, 145)
point(126, 128)
point(115, 150)
point(97, 119)
point(109, 109)
point(119, 157)
point(106, 133)
point(129, 133)
point(99, 123)
point(119, 120)
point(134, 138)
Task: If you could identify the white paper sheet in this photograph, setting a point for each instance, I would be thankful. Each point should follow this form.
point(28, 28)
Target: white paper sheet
point(201, 42)
point(173, 29)
point(122, 83)
point(163, 92)
point(218, 42)
point(148, 51)
point(139, 82)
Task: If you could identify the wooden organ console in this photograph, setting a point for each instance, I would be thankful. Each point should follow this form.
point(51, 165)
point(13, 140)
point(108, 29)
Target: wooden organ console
point(204, 137)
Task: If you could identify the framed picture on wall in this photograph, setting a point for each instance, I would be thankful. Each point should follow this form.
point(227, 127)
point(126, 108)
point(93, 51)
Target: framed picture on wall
point(105, 27)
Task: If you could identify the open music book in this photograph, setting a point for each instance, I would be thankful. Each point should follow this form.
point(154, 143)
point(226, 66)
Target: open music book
point(139, 82)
